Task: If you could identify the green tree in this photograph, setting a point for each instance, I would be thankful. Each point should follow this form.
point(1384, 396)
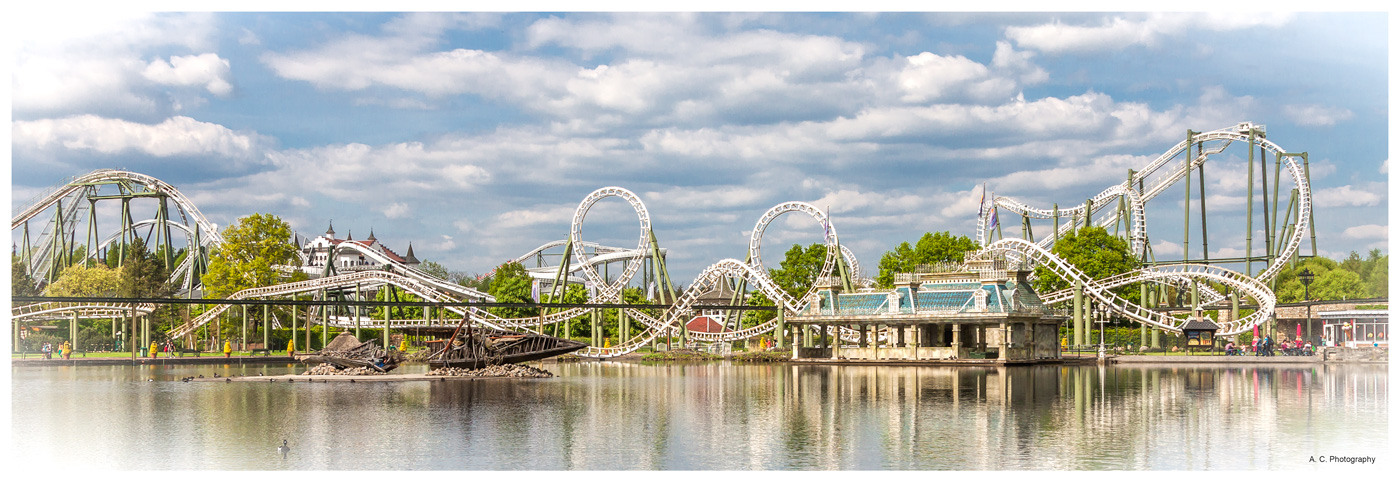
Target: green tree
point(931, 248)
point(245, 259)
point(78, 280)
point(800, 269)
point(20, 284)
point(437, 270)
point(143, 275)
point(1097, 254)
point(511, 284)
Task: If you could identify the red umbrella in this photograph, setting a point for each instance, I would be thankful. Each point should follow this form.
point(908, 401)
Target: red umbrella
point(1300, 330)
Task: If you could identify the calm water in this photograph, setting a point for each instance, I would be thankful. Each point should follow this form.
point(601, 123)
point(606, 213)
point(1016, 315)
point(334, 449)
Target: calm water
point(625, 416)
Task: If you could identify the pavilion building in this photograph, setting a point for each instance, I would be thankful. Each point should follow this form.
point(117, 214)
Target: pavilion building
point(978, 311)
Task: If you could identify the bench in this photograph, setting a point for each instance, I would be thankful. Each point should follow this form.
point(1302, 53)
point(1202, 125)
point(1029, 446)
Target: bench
point(186, 351)
point(264, 351)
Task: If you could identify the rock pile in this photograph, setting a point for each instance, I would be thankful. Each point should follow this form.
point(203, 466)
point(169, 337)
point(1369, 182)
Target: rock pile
point(507, 370)
point(329, 369)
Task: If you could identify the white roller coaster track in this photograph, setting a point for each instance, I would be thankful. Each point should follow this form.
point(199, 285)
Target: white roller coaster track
point(1213, 142)
point(339, 282)
point(86, 310)
point(73, 190)
point(1250, 287)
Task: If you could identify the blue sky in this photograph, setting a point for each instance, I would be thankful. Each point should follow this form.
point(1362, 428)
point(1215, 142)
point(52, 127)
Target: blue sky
point(475, 136)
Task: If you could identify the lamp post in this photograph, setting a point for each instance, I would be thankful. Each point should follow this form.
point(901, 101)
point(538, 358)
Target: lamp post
point(1307, 277)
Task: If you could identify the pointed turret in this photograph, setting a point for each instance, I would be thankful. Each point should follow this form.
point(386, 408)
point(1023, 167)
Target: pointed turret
point(408, 257)
point(371, 235)
point(350, 235)
point(330, 230)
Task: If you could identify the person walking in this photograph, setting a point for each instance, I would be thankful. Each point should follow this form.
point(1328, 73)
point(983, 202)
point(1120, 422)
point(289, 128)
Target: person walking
point(47, 350)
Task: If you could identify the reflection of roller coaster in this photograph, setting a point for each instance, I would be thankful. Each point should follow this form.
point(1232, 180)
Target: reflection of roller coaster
point(580, 261)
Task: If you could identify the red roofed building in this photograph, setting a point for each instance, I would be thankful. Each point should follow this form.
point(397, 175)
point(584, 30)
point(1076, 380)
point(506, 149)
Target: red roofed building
point(328, 248)
point(704, 324)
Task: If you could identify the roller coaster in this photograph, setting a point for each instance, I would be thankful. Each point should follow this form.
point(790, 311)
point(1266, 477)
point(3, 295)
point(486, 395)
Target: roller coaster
point(76, 199)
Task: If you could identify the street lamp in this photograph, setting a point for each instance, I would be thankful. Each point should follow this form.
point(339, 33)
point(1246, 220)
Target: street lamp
point(1307, 278)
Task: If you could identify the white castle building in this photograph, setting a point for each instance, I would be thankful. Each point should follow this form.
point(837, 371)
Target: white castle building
point(348, 254)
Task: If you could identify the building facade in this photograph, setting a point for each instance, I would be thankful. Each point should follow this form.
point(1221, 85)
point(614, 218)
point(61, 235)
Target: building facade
point(349, 254)
point(983, 312)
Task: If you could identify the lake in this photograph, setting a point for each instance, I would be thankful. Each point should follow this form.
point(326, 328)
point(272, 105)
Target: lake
point(709, 416)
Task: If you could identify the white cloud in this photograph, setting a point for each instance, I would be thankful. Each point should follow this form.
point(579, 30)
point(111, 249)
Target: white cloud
point(175, 136)
point(1385, 167)
point(447, 244)
point(519, 218)
point(90, 62)
point(1367, 231)
point(396, 210)
point(1117, 33)
point(1165, 247)
point(207, 70)
point(1316, 114)
point(1345, 196)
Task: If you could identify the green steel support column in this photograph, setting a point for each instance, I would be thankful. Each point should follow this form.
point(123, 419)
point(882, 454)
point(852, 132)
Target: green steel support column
point(357, 312)
point(325, 321)
point(386, 326)
point(1078, 312)
point(126, 227)
point(294, 323)
point(845, 272)
point(782, 327)
point(1249, 211)
point(1026, 227)
point(1143, 299)
point(624, 332)
point(14, 340)
point(1288, 222)
point(1056, 216)
point(1234, 306)
point(131, 346)
point(56, 246)
point(994, 214)
point(1264, 196)
point(593, 327)
point(243, 342)
point(169, 245)
point(25, 251)
point(1205, 239)
point(266, 324)
point(1088, 212)
point(92, 231)
point(73, 330)
point(1195, 296)
point(1186, 240)
point(146, 331)
point(1156, 338)
point(1312, 223)
point(1278, 166)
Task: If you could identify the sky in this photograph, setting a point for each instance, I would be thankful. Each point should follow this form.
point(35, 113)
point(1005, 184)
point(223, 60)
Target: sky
point(474, 136)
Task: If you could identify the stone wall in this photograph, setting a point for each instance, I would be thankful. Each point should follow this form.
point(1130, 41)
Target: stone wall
point(1366, 354)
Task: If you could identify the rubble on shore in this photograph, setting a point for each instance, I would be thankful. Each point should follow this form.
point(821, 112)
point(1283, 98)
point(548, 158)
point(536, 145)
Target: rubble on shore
point(505, 370)
point(329, 369)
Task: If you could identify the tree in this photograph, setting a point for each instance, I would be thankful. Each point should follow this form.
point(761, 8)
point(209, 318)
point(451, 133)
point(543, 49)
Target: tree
point(20, 284)
point(437, 270)
point(801, 268)
point(511, 284)
point(79, 280)
point(931, 248)
point(1097, 254)
point(143, 275)
point(245, 259)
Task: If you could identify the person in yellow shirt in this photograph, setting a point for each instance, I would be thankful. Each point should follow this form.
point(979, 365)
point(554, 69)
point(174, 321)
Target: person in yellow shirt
point(291, 348)
point(228, 348)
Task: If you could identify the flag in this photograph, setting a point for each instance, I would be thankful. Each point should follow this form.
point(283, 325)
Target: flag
point(535, 290)
point(994, 219)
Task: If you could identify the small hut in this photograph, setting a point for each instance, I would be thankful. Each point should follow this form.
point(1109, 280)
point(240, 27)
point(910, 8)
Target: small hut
point(1199, 332)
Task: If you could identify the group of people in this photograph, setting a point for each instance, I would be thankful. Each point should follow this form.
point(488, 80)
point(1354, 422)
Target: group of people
point(65, 350)
point(1265, 346)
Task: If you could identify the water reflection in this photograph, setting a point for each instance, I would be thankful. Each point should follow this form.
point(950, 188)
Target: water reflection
point(625, 416)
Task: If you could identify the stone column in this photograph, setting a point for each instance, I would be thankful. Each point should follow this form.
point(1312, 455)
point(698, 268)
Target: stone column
point(957, 341)
point(1002, 343)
